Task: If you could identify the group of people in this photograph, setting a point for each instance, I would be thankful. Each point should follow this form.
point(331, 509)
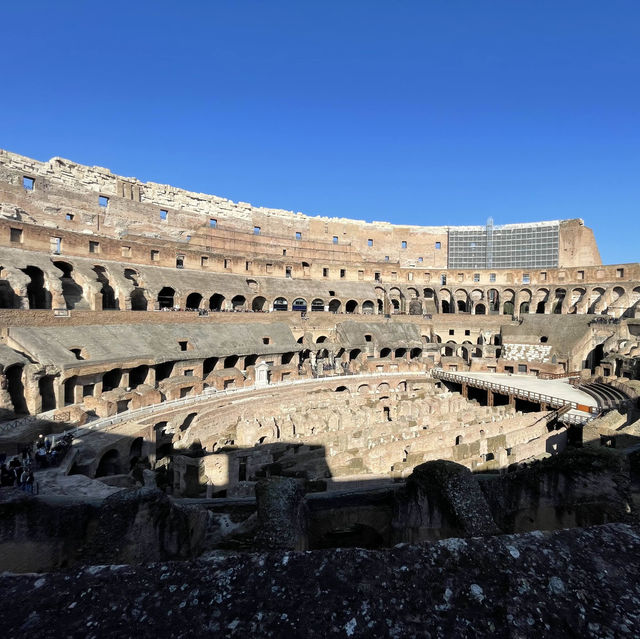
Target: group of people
point(19, 473)
point(44, 453)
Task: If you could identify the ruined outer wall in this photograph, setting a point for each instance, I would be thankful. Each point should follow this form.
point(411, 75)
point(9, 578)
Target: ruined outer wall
point(577, 245)
point(63, 187)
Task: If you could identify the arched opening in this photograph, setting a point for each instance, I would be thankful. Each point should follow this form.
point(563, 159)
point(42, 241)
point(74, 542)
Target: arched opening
point(385, 353)
point(208, 365)
point(400, 352)
point(317, 305)
point(540, 308)
point(71, 290)
point(449, 351)
point(250, 360)
point(351, 306)
point(334, 306)
point(38, 296)
point(299, 304)
point(109, 300)
point(138, 375)
point(508, 308)
point(111, 379)
point(164, 370)
point(380, 307)
point(215, 302)
point(230, 361)
point(15, 386)
point(69, 390)
point(238, 302)
point(368, 307)
point(524, 308)
point(287, 357)
point(258, 304)
point(354, 354)
point(341, 389)
point(415, 353)
point(445, 306)
point(193, 301)
point(481, 309)
point(47, 394)
point(559, 299)
point(109, 464)
point(494, 300)
point(462, 306)
point(138, 300)
point(8, 298)
point(280, 304)
point(165, 297)
point(395, 306)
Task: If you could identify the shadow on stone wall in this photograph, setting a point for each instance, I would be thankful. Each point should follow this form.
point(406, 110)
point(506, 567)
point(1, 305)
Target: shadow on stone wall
point(440, 499)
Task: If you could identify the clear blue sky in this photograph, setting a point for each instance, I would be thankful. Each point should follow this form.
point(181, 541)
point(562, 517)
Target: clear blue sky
point(420, 112)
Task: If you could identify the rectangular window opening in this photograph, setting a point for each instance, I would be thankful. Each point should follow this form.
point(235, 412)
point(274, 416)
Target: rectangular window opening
point(103, 201)
point(28, 183)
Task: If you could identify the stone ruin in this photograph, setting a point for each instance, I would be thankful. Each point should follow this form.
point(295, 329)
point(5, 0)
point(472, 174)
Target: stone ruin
point(267, 423)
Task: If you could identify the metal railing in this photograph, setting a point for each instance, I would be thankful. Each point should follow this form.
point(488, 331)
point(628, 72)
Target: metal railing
point(505, 389)
point(212, 393)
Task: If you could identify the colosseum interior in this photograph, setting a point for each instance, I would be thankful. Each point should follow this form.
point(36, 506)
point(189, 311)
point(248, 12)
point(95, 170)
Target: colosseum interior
point(235, 357)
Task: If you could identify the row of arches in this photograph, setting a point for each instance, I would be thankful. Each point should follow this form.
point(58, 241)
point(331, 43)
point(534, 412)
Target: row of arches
point(96, 288)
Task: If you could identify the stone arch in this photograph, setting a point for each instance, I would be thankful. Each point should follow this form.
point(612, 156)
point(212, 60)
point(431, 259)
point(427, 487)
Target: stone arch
point(508, 302)
point(334, 306)
point(280, 304)
point(38, 295)
point(138, 300)
point(540, 299)
point(299, 304)
point(577, 296)
point(558, 300)
point(317, 305)
point(193, 301)
point(238, 302)
point(15, 387)
point(596, 299)
point(258, 304)
point(383, 387)
point(166, 297)
point(447, 303)
point(216, 302)
point(368, 307)
point(363, 389)
point(493, 300)
point(71, 290)
point(8, 298)
point(109, 300)
point(351, 307)
point(480, 309)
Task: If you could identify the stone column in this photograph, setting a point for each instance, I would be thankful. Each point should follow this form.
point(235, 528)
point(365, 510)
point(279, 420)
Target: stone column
point(281, 514)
